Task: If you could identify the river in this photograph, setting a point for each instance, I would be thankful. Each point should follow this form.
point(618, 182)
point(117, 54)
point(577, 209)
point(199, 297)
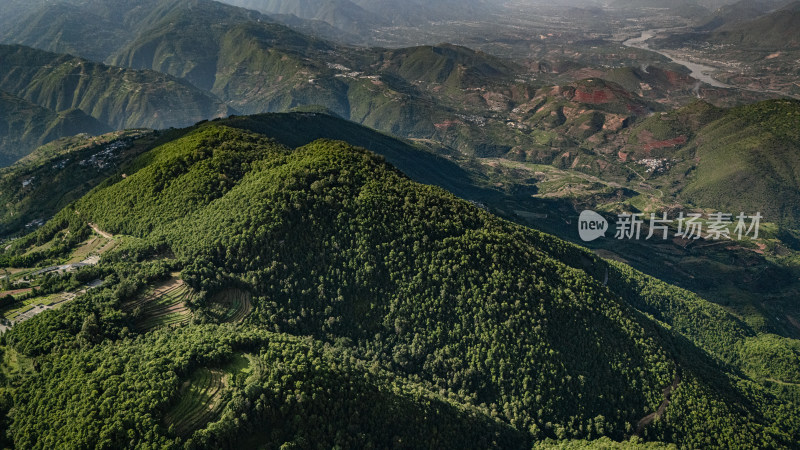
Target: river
point(699, 71)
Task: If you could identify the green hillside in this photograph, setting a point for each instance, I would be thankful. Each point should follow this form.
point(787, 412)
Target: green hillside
point(741, 159)
point(290, 393)
point(50, 167)
point(424, 165)
point(449, 65)
point(122, 98)
point(521, 336)
point(25, 126)
point(749, 161)
point(54, 175)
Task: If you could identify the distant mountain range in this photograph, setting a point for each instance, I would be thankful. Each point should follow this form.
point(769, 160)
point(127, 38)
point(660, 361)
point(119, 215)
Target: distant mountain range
point(342, 14)
point(688, 6)
point(121, 98)
point(462, 98)
point(256, 65)
point(47, 96)
point(25, 126)
point(358, 16)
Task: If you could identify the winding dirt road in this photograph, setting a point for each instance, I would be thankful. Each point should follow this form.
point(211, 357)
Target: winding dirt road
point(648, 419)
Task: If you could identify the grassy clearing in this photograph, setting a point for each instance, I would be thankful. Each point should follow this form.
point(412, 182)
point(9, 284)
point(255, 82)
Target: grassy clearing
point(15, 292)
point(13, 363)
point(95, 245)
point(17, 271)
point(41, 248)
point(163, 305)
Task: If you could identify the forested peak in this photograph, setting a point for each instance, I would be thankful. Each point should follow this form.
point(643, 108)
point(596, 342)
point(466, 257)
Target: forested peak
point(330, 241)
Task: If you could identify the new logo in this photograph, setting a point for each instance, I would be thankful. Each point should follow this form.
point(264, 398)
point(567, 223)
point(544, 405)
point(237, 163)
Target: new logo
point(591, 226)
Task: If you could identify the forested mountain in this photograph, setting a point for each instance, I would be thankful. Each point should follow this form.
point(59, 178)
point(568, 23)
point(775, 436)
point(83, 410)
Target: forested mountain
point(52, 168)
point(300, 280)
point(411, 297)
point(25, 126)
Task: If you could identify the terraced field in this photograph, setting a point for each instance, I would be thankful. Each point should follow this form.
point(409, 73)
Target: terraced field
point(164, 304)
point(201, 398)
point(231, 305)
point(199, 401)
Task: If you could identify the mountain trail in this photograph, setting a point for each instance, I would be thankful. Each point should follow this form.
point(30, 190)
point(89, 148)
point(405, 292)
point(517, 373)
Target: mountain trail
point(648, 419)
point(101, 232)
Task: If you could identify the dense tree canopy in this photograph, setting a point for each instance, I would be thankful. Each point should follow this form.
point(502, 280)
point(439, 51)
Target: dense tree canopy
point(414, 304)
